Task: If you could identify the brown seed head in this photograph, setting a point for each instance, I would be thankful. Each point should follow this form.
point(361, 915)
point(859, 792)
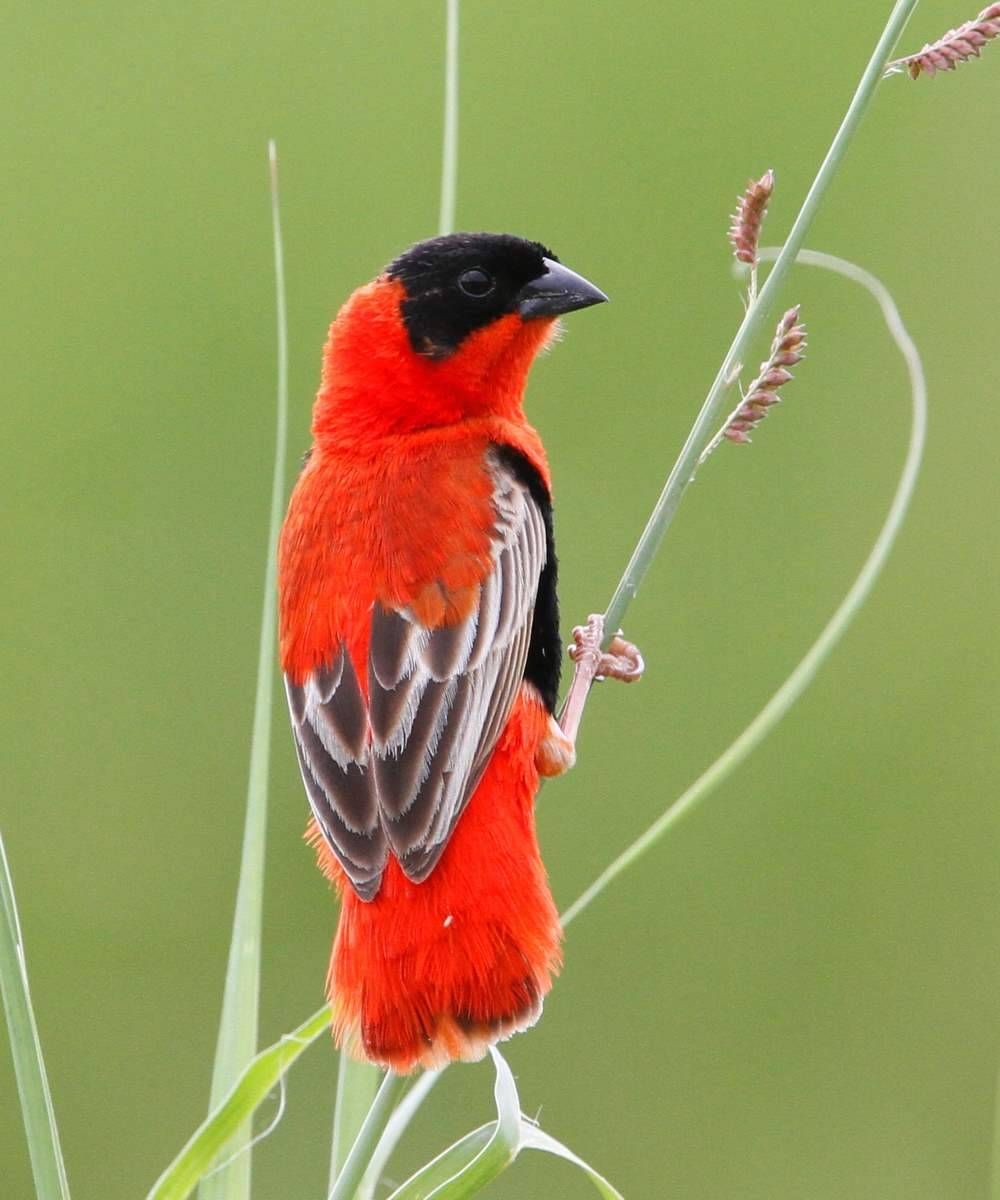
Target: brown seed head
point(787, 348)
point(745, 223)
point(957, 46)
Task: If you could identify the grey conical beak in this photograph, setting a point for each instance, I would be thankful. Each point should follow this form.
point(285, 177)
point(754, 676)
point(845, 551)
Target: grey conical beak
point(558, 291)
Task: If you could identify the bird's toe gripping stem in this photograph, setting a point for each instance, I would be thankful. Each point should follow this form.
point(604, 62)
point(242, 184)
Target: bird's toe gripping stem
point(621, 660)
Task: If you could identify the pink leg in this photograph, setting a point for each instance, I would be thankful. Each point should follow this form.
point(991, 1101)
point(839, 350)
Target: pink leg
point(621, 661)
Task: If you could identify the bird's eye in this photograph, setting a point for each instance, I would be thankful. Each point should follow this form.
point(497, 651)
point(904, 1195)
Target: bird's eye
point(476, 282)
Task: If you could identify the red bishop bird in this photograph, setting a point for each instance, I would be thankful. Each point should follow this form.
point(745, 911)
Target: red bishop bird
point(421, 652)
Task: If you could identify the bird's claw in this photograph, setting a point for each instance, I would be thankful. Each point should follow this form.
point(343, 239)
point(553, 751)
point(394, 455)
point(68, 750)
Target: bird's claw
point(622, 659)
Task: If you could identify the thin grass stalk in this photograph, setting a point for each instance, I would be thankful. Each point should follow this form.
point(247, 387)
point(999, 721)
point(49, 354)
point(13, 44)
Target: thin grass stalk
point(534, 1138)
point(449, 156)
point(847, 610)
point(357, 1085)
point(238, 1027)
point(684, 469)
point(41, 1132)
point(371, 1130)
point(397, 1125)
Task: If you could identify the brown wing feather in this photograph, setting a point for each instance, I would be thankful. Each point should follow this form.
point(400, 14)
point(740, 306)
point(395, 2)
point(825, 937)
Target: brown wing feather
point(398, 775)
point(330, 725)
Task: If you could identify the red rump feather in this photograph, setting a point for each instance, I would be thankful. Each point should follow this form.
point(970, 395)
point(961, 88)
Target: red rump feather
point(395, 510)
point(439, 970)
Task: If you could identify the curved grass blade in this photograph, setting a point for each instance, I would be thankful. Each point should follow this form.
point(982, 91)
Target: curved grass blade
point(450, 1165)
point(533, 1138)
point(477, 1159)
point(844, 614)
point(39, 1116)
point(237, 1043)
point(219, 1129)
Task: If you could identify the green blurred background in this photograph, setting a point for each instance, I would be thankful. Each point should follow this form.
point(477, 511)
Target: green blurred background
point(798, 993)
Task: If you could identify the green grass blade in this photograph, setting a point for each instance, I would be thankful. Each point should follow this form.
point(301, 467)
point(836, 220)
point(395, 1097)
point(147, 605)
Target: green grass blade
point(844, 614)
point(357, 1085)
point(475, 1160)
point(452, 1164)
point(468, 1165)
point(237, 1042)
point(533, 1138)
point(220, 1128)
point(26, 1050)
point(507, 1100)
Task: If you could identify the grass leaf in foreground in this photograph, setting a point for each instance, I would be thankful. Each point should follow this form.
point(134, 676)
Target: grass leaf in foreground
point(533, 1138)
point(217, 1131)
point(237, 1042)
point(26, 1049)
point(475, 1160)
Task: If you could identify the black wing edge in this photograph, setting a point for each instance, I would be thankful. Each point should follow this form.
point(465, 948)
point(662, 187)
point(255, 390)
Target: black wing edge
point(544, 666)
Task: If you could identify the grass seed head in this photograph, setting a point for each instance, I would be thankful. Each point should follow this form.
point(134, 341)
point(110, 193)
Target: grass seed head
point(787, 349)
point(956, 46)
point(745, 223)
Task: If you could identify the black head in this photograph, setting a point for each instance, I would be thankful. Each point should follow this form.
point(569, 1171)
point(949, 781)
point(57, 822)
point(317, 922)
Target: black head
point(464, 281)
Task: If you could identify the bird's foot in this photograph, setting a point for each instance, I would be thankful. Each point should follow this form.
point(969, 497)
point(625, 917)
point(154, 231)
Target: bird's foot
point(621, 660)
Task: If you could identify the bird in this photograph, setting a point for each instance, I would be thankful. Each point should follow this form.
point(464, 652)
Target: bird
point(420, 647)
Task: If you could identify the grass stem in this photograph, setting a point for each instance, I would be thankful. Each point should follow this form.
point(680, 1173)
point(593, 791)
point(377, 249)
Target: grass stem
point(449, 156)
point(357, 1086)
point(237, 1043)
point(371, 1130)
point(684, 469)
point(803, 674)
